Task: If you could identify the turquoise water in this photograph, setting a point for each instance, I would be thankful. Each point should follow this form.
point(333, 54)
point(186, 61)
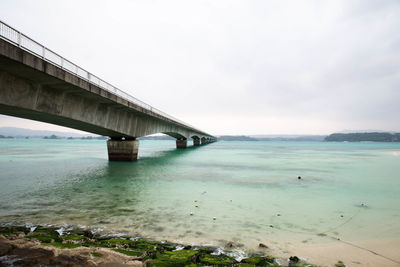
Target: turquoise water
point(348, 190)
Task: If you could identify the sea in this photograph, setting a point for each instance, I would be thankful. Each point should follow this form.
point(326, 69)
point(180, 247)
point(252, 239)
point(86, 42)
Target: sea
point(288, 196)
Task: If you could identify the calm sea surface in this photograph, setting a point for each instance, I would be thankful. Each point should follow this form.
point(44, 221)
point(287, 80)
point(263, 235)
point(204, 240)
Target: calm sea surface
point(349, 191)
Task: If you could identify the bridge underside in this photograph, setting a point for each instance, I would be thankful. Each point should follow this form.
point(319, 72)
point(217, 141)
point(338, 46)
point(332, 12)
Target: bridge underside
point(34, 89)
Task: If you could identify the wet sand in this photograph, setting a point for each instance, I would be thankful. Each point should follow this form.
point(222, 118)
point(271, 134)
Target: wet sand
point(385, 252)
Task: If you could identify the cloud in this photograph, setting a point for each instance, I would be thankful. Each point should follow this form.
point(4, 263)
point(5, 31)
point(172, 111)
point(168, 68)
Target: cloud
point(274, 66)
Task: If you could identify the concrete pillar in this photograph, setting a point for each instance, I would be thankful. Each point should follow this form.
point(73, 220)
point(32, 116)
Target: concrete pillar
point(122, 150)
point(196, 142)
point(181, 143)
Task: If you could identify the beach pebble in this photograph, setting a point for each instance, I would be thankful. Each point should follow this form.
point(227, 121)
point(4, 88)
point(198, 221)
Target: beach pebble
point(191, 214)
point(278, 214)
point(214, 218)
point(196, 206)
point(271, 226)
point(195, 200)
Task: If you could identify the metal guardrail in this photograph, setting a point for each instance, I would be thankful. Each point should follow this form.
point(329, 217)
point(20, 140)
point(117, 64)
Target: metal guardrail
point(19, 39)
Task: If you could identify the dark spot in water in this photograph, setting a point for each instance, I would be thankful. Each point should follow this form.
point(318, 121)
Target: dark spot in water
point(198, 233)
point(159, 229)
point(321, 234)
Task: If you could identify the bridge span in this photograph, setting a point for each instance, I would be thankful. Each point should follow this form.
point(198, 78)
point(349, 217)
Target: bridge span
point(37, 83)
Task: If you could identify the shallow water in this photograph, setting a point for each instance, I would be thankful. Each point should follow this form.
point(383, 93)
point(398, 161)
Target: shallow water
point(349, 191)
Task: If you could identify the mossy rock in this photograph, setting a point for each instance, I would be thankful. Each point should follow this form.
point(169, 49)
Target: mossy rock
point(300, 264)
point(146, 245)
point(216, 260)
point(173, 258)
point(129, 252)
point(340, 264)
point(42, 238)
point(96, 254)
point(62, 245)
point(259, 261)
point(113, 242)
point(93, 244)
point(13, 230)
point(74, 237)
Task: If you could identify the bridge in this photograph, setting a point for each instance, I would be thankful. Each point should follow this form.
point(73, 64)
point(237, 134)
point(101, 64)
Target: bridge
point(38, 84)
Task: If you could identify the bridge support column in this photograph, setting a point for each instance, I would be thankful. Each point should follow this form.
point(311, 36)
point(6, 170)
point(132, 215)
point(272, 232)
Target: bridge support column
point(181, 143)
point(196, 142)
point(122, 150)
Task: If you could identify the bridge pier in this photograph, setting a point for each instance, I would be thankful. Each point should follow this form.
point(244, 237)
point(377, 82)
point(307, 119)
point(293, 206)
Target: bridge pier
point(196, 142)
point(181, 143)
point(122, 150)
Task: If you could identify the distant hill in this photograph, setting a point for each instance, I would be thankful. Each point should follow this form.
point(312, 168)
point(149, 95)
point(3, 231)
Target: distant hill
point(314, 138)
point(235, 138)
point(364, 137)
point(22, 132)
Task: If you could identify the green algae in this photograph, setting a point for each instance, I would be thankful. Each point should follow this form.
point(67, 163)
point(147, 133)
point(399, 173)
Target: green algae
point(340, 264)
point(13, 230)
point(216, 260)
point(117, 242)
point(42, 238)
point(259, 261)
point(128, 252)
point(74, 237)
point(96, 254)
point(173, 258)
point(150, 252)
point(61, 245)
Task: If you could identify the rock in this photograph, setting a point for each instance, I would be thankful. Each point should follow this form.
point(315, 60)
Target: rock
point(294, 259)
point(262, 245)
point(340, 264)
point(299, 177)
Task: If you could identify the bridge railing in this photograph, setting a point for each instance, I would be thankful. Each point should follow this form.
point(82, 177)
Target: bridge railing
point(19, 39)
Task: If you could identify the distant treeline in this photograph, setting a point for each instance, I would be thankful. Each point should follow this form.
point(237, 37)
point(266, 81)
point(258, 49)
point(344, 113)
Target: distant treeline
point(3, 136)
point(53, 136)
point(278, 138)
point(363, 137)
point(157, 137)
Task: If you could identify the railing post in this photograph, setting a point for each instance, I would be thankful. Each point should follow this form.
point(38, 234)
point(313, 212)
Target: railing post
point(43, 52)
point(19, 39)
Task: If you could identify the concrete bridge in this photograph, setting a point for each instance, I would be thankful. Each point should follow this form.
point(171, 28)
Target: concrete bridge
point(38, 84)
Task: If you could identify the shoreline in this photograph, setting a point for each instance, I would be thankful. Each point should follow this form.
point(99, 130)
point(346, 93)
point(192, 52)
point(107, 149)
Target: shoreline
point(22, 246)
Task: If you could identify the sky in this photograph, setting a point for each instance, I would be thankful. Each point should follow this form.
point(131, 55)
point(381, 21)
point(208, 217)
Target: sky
point(233, 67)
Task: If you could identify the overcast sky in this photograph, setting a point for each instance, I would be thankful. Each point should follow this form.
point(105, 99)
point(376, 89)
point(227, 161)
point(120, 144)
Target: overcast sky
point(233, 67)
